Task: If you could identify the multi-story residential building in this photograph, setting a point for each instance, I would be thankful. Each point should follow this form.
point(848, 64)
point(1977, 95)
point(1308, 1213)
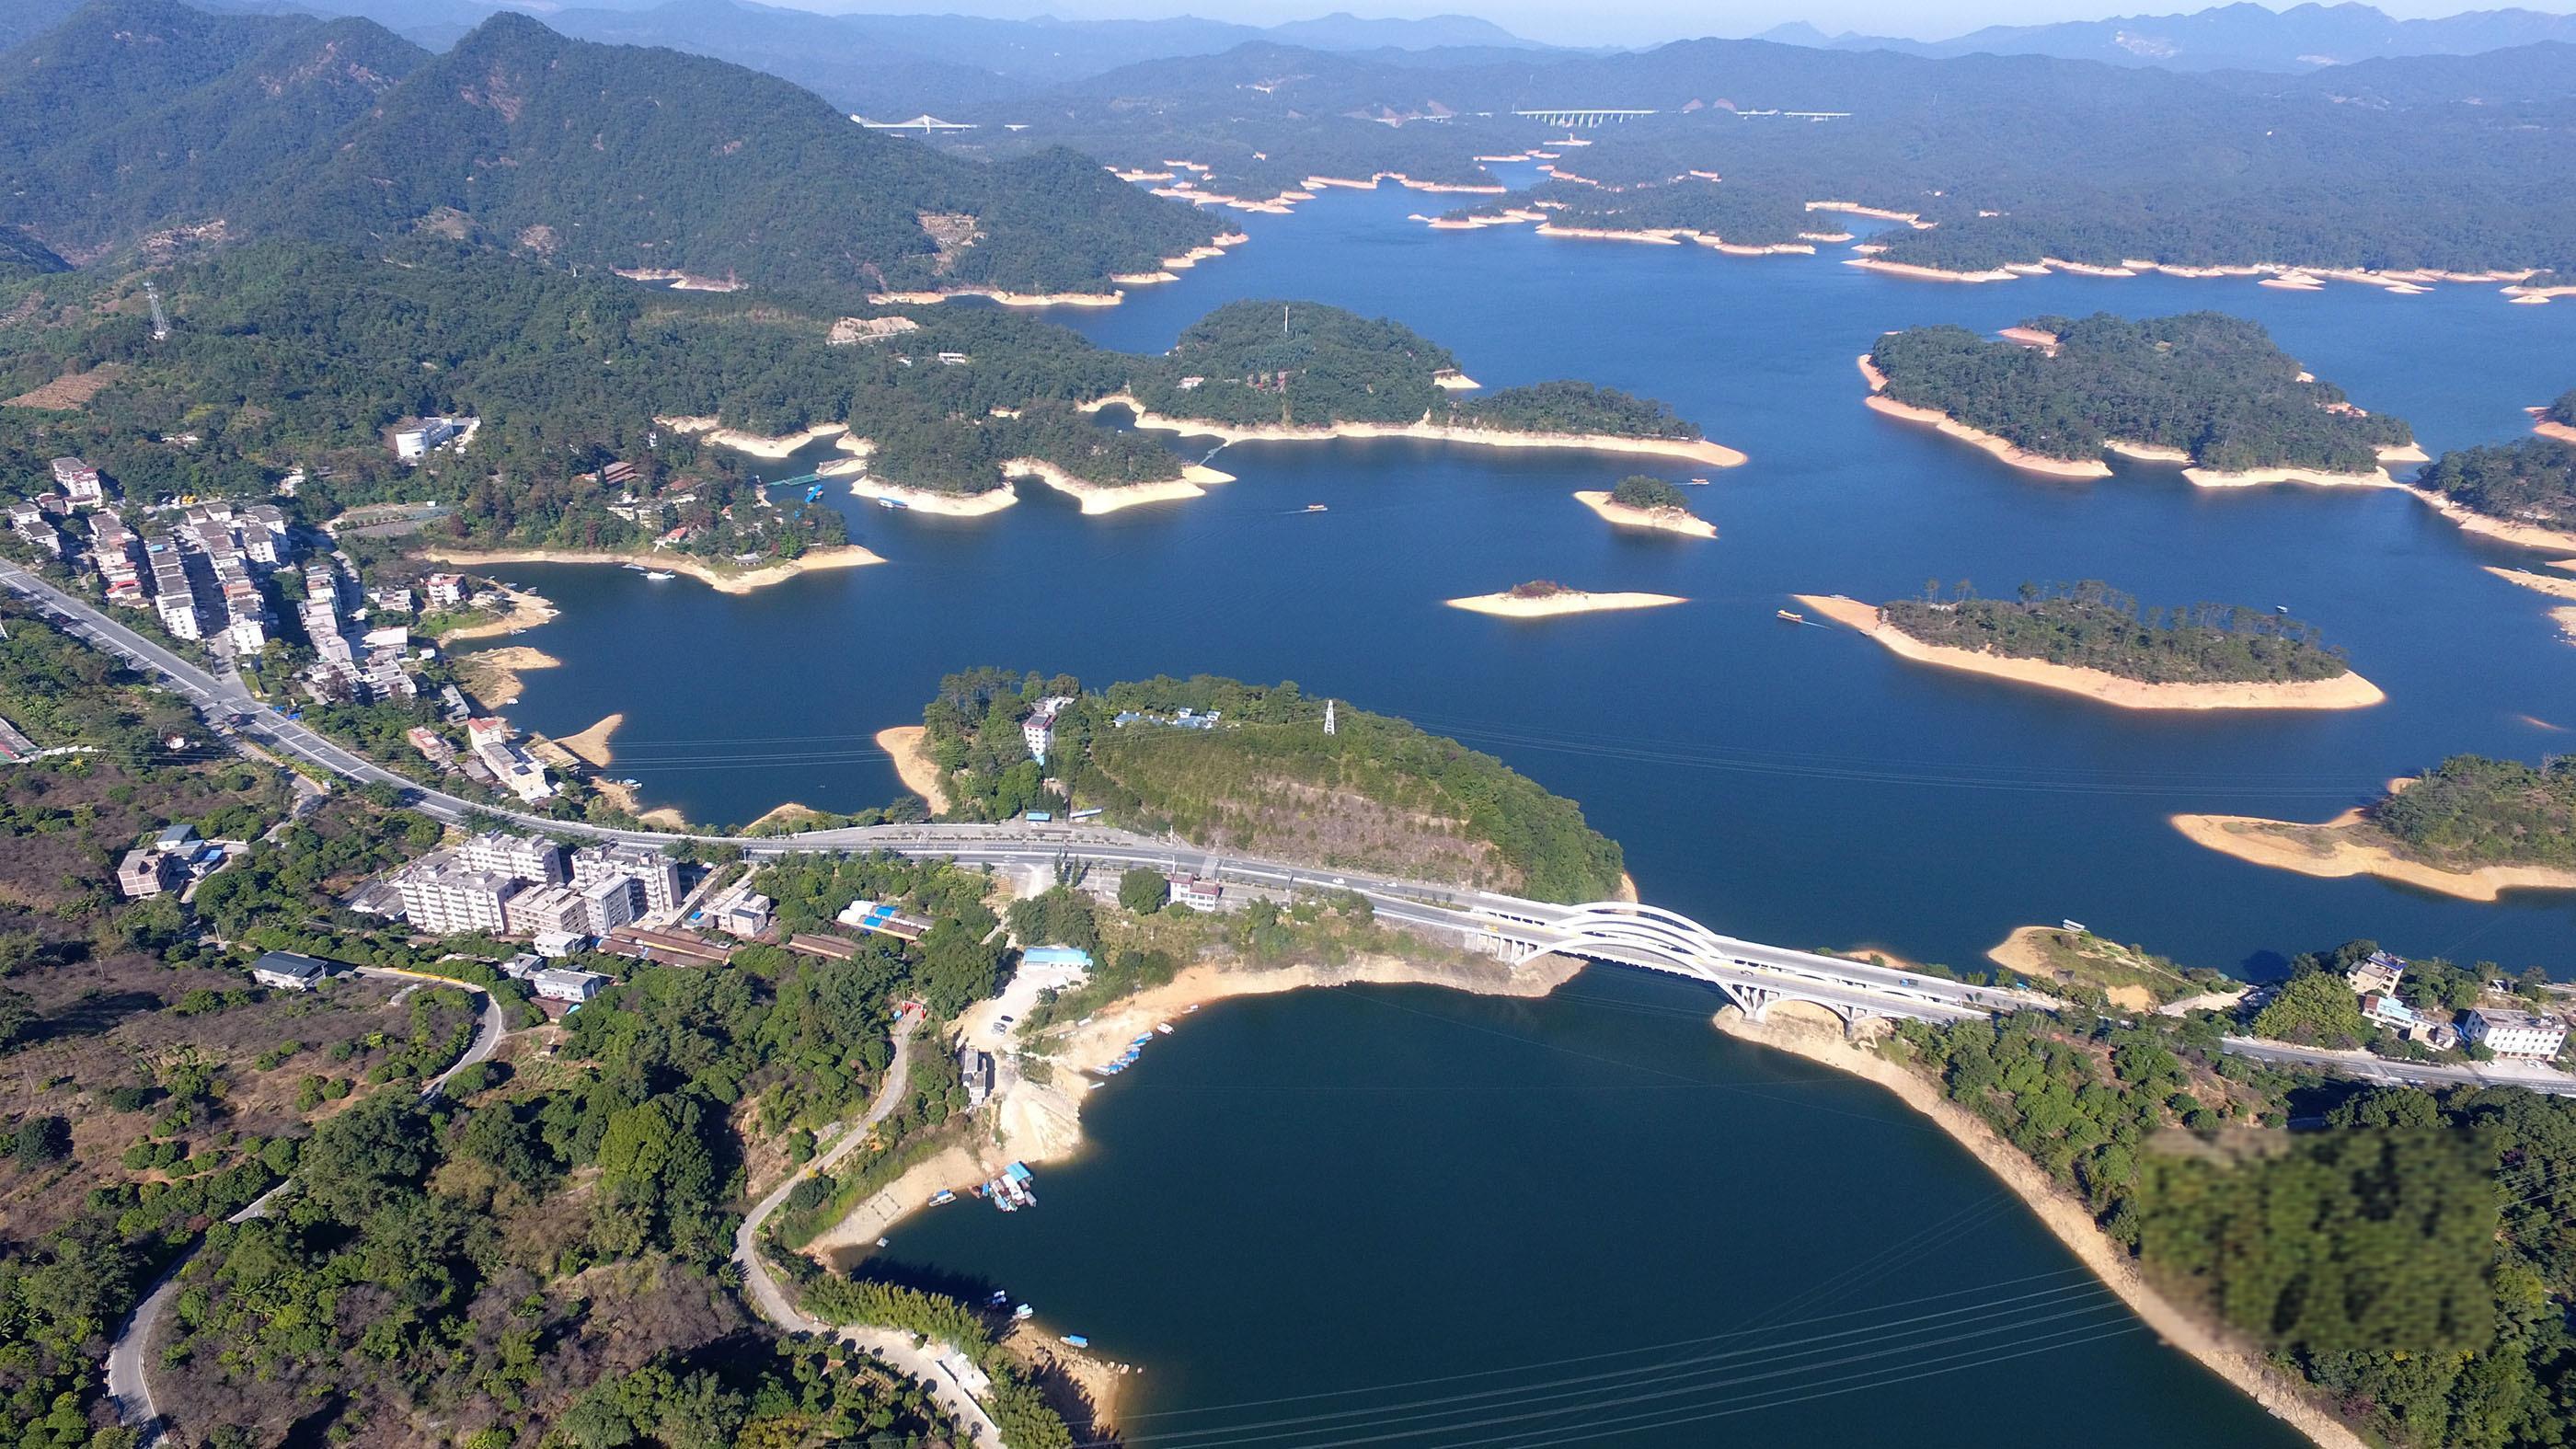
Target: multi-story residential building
point(2514, 1033)
point(172, 594)
point(611, 902)
point(118, 556)
point(446, 591)
point(1038, 730)
point(548, 910)
point(34, 529)
point(530, 858)
point(80, 482)
point(655, 872)
point(510, 765)
point(442, 899)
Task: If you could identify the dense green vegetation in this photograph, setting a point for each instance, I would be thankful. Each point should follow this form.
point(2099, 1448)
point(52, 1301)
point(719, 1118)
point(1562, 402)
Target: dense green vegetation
point(2561, 409)
point(1570, 407)
point(2423, 1292)
point(2090, 626)
point(519, 139)
point(2530, 481)
point(1378, 794)
point(1639, 490)
point(2211, 385)
point(2470, 811)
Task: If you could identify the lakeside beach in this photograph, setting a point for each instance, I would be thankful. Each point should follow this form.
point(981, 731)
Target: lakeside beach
point(1715, 455)
point(905, 744)
point(2344, 691)
point(837, 556)
point(1098, 498)
point(1511, 605)
point(2348, 845)
point(1664, 520)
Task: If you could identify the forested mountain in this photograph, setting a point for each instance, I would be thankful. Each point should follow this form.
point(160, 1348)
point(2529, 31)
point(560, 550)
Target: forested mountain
point(522, 139)
point(2245, 36)
point(2210, 385)
point(2090, 625)
point(188, 152)
point(2014, 157)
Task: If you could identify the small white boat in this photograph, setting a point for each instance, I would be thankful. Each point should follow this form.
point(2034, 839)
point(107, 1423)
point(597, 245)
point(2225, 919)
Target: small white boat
point(1700, 481)
point(1789, 616)
point(1315, 508)
point(660, 576)
point(1164, 1027)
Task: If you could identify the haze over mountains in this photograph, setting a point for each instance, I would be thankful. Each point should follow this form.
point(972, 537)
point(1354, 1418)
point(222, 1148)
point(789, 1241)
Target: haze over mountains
point(2240, 36)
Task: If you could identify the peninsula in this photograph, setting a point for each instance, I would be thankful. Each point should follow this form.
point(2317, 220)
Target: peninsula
point(2203, 389)
point(2521, 493)
point(1213, 758)
point(1545, 598)
point(1640, 501)
point(2471, 827)
point(2088, 639)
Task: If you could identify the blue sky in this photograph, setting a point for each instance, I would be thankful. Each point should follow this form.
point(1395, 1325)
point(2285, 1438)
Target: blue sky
point(1622, 22)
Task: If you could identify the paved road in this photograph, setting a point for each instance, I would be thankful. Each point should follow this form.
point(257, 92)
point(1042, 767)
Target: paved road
point(894, 1347)
point(129, 1384)
point(2371, 1068)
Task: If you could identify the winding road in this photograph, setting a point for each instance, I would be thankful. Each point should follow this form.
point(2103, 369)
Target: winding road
point(129, 1384)
point(893, 1346)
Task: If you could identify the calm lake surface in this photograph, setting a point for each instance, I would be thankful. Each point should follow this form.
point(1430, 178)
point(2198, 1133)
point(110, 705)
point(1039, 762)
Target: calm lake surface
point(1338, 1190)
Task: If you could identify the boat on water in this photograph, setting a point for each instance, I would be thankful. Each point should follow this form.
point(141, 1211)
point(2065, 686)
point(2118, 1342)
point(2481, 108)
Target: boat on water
point(2280, 608)
point(1315, 508)
point(1023, 1313)
point(660, 576)
point(1700, 481)
point(883, 502)
point(1076, 1340)
point(942, 1196)
point(1164, 1027)
point(1186, 1010)
point(1789, 616)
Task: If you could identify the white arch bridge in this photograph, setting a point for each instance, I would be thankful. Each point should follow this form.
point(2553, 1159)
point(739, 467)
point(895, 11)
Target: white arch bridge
point(1753, 976)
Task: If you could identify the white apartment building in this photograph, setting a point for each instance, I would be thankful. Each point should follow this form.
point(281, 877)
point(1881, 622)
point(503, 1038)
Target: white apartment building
point(656, 873)
point(2514, 1033)
point(442, 900)
point(522, 857)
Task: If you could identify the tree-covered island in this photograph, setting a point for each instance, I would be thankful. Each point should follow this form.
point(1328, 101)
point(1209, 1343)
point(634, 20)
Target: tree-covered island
point(2090, 625)
point(2089, 639)
point(2202, 387)
point(2471, 827)
point(1249, 767)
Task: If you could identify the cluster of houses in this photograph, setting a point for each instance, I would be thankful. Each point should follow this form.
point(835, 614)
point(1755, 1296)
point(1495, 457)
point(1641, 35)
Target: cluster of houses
point(503, 884)
point(200, 572)
point(2509, 1032)
point(169, 861)
point(350, 662)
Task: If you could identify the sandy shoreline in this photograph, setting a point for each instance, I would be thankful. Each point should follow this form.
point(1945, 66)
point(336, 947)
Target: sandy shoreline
point(839, 556)
point(2557, 431)
point(2002, 448)
point(2065, 1219)
point(913, 765)
point(928, 500)
point(1666, 520)
point(1099, 498)
point(1038, 1124)
point(1715, 455)
point(591, 745)
point(2503, 530)
point(2347, 846)
point(2345, 691)
point(1928, 274)
point(2550, 584)
point(714, 431)
point(1571, 601)
point(527, 609)
point(2318, 477)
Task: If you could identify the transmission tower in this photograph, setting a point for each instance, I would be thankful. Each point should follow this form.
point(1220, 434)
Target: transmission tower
point(160, 319)
point(1328, 717)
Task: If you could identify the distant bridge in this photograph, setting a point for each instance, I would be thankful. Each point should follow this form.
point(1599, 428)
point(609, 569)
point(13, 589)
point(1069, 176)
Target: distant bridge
point(1583, 116)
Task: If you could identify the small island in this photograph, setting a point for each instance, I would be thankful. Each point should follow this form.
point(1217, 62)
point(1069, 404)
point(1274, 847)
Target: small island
point(2558, 419)
point(1640, 501)
point(1546, 598)
point(1726, 219)
point(2472, 827)
point(2091, 640)
point(2202, 389)
point(2521, 493)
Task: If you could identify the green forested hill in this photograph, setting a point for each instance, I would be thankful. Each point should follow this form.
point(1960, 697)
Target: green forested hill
point(520, 138)
point(1378, 794)
point(143, 114)
point(2211, 385)
point(190, 152)
point(2529, 481)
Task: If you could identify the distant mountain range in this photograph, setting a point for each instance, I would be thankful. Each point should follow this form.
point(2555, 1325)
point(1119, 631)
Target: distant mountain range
point(2226, 37)
point(145, 114)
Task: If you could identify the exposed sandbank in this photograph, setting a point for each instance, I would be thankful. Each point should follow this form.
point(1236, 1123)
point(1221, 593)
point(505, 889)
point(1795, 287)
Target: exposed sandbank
point(1666, 520)
point(2350, 845)
point(591, 745)
point(2559, 431)
point(839, 556)
point(2503, 530)
point(492, 675)
point(1715, 455)
point(1568, 601)
point(928, 500)
point(757, 445)
point(1927, 274)
point(2344, 691)
point(1110, 497)
point(2064, 1217)
point(913, 765)
point(2550, 584)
